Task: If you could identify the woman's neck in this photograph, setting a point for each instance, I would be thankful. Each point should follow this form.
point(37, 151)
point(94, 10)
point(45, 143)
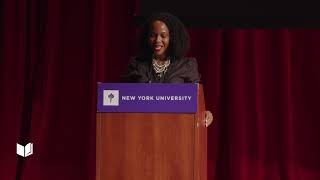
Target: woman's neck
point(161, 58)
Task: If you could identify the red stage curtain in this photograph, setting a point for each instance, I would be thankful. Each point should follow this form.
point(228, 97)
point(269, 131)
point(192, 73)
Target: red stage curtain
point(262, 85)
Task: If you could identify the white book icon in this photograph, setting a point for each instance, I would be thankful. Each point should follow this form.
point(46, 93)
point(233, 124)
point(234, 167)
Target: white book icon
point(26, 150)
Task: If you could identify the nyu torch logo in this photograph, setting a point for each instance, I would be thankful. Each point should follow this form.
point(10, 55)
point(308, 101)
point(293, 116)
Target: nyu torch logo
point(111, 97)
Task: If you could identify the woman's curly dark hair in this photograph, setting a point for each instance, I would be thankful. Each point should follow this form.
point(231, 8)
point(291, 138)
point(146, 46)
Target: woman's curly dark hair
point(179, 39)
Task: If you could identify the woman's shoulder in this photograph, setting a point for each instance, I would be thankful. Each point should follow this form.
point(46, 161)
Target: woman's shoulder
point(135, 60)
point(139, 59)
point(136, 70)
point(188, 66)
point(189, 61)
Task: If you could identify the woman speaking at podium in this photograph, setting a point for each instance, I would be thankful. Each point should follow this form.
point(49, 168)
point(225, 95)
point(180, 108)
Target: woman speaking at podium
point(163, 44)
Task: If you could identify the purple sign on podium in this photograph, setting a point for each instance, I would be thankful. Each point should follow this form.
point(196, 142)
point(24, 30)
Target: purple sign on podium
point(147, 97)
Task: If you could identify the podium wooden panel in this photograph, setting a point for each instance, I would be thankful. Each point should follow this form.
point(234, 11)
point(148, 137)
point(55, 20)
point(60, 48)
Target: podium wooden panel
point(152, 146)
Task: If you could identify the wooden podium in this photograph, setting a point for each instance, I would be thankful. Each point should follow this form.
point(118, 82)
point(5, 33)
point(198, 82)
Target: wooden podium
point(152, 146)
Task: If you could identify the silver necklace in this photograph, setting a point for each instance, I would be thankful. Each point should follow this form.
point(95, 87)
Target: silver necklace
point(160, 68)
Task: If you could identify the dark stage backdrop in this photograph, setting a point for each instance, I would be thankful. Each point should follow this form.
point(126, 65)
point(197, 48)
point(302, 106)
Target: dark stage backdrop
point(261, 84)
point(232, 8)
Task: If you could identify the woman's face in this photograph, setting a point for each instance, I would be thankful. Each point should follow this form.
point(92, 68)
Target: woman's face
point(159, 39)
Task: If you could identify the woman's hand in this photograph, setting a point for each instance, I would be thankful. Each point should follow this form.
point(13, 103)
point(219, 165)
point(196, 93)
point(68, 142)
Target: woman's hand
point(208, 118)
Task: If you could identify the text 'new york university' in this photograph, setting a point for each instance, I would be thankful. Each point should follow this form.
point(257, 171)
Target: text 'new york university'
point(156, 98)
